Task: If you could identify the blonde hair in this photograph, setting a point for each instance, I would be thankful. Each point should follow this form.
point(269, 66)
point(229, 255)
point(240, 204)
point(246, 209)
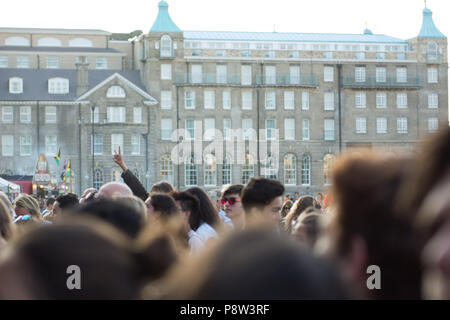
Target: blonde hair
point(28, 202)
point(6, 225)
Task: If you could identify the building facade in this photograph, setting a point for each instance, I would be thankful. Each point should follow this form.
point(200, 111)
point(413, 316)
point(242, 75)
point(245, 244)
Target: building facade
point(297, 100)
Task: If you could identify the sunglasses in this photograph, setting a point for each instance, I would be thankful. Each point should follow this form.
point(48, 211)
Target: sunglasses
point(231, 201)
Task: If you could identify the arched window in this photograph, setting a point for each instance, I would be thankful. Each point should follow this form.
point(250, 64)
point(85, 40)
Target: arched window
point(306, 170)
point(248, 169)
point(116, 92)
point(58, 85)
point(49, 42)
point(80, 42)
point(271, 168)
point(432, 53)
point(328, 163)
point(98, 178)
point(190, 172)
point(166, 169)
point(17, 41)
point(290, 170)
point(166, 46)
point(226, 171)
point(210, 169)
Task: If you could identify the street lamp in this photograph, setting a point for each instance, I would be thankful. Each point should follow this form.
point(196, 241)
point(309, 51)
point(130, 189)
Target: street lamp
point(93, 156)
point(86, 177)
point(147, 176)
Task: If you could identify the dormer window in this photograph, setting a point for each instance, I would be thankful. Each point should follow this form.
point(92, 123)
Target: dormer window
point(15, 85)
point(166, 46)
point(58, 86)
point(115, 92)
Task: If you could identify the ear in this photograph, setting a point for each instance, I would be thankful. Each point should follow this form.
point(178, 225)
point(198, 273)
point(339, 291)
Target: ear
point(357, 259)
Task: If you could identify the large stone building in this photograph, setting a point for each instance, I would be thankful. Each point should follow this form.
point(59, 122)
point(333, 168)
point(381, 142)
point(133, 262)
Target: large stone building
point(323, 92)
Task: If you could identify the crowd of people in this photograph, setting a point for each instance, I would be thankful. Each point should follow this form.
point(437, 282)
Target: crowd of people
point(252, 241)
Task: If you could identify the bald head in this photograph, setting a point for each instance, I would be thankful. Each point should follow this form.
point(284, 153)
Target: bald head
point(113, 189)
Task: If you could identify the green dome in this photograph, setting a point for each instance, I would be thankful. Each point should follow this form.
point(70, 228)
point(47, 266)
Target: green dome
point(163, 22)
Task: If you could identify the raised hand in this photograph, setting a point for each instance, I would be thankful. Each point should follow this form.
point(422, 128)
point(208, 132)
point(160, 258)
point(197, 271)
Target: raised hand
point(117, 158)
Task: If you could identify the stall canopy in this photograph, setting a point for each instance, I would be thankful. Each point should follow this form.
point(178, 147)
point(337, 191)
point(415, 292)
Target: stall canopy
point(9, 187)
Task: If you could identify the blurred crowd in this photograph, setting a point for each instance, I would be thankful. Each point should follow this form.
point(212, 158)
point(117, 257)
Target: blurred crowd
point(382, 231)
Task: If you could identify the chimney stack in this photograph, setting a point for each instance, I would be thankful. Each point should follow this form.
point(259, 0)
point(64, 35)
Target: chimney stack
point(82, 75)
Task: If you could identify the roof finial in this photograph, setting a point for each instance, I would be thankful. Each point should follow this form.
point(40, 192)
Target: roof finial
point(274, 28)
point(366, 22)
point(425, 3)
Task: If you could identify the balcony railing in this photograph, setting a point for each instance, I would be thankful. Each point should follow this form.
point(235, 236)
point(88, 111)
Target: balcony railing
point(207, 78)
point(371, 82)
point(433, 57)
point(304, 80)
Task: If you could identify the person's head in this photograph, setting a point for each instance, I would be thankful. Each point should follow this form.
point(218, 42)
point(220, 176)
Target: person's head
point(319, 197)
point(49, 203)
point(187, 204)
point(112, 189)
point(365, 230)
point(7, 203)
point(47, 263)
point(262, 199)
point(255, 264)
point(6, 225)
point(306, 229)
point(232, 204)
point(216, 199)
point(134, 202)
point(65, 203)
point(287, 205)
point(162, 187)
point(25, 204)
point(161, 206)
point(207, 212)
point(297, 209)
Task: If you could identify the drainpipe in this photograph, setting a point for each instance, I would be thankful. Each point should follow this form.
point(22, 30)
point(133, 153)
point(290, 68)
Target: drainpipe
point(339, 68)
point(147, 134)
point(79, 150)
point(258, 91)
point(38, 131)
point(178, 142)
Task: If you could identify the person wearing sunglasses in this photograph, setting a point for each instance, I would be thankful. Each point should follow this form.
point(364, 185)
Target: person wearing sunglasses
point(231, 202)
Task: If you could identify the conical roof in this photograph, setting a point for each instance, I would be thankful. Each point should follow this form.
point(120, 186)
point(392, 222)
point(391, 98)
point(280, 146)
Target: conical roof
point(428, 29)
point(163, 22)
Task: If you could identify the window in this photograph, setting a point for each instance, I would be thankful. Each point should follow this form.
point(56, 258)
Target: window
point(328, 101)
point(360, 100)
point(197, 73)
point(116, 142)
point(361, 125)
point(166, 99)
point(270, 169)
point(246, 75)
point(328, 74)
point(51, 145)
point(115, 176)
point(80, 42)
point(15, 85)
point(247, 129)
point(305, 100)
point(166, 72)
point(402, 75)
point(328, 164)
point(58, 86)
point(25, 145)
point(294, 54)
point(190, 172)
point(98, 179)
point(270, 54)
point(306, 170)
point(7, 146)
point(166, 168)
point(210, 170)
point(49, 42)
point(248, 169)
point(7, 114)
point(190, 128)
point(401, 56)
point(246, 53)
point(25, 114)
point(290, 170)
point(189, 99)
point(227, 129)
point(23, 62)
point(96, 115)
point(381, 125)
point(209, 99)
point(196, 52)
point(289, 101)
point(166, 129)
point(3, 61)
point(226, 100)
point(432, 75)
point(432, 54)
point(433, 124)
point(221, 73)
point(166, 46)
point(210, 129)
point(270, 75)
point(360, 55)
point(116, 114)
point(137, 115)
point(270, 100)
point(402, 100)
point(381, 100)
point(50, 114)
point(271, 129)
point(381, 74)
point(381, 55)
point(360, 74)
point(135, 144)
point(246, 100)
point(227, 171)
point(402, 125)
point(294, 74)
point(101, 63)
point(98, 144)
point(433, 101)
point(328, 125)
point(305, 129)
point(328, 55)
point(52, 62)
point(221, 53)
point(116, 92)
point(289, 129)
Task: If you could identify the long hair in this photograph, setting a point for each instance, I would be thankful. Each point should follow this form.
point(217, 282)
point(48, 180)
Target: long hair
point(207, 212)
point(6, 225)
point(299, 206)
point(28, 202)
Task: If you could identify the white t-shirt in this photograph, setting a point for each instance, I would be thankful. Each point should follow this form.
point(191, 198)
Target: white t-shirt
point(206, 232)
point(195, 242)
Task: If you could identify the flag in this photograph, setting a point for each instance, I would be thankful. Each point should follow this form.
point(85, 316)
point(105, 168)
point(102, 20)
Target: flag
point(68, 169)
point(63, 173)
point(58, 157)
